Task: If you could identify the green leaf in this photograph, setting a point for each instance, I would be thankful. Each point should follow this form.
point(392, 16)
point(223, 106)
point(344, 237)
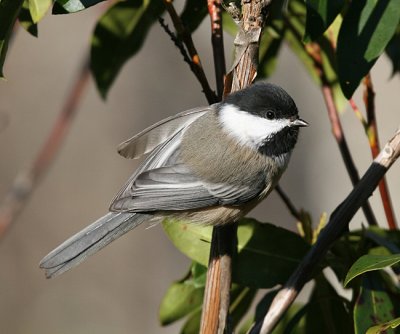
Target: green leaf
point(193, 14)
point(39, 8)
point(228, 24)
point(72, 6)
point(366, 30)
point(370, 262)
point(241, 300)
point(192, 325)
point(9, 11)
point(181, 299)
point(185, 296)
point(373, 305)
point(118, 36)
point(270, 45)
point(320, 15)
point(327, 311)
point(382, 328)
point(261, 262)
point(393, 51)
point(25, 19)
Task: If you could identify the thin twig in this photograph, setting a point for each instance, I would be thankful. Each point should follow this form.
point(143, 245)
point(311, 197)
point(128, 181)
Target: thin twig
point(337, 225)
point(26, 180)
point(372, 133)
point(215, 12)
point(292, 209)
point(178, 43)
point(186, 37)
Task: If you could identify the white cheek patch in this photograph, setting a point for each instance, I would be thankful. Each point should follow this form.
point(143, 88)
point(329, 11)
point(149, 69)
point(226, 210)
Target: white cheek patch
point(249, 129)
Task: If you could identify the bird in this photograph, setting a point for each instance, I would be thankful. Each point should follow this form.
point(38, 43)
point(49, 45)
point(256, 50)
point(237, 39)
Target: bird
point(209, 165)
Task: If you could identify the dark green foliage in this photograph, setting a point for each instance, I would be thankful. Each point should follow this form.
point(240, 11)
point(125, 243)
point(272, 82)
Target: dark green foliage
point(320, 15)
point(119, 35)
point(261, 261)
point(366, 30)
point(25, 20)
point(393, 51)
point(9, 11)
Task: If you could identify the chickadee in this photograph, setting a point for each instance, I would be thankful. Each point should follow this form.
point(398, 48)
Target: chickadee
point(209, 165)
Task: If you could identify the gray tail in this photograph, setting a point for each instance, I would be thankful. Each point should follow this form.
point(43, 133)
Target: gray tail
point(89, 241)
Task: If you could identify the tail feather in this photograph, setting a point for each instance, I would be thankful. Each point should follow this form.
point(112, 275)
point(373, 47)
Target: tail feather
point(89, 241)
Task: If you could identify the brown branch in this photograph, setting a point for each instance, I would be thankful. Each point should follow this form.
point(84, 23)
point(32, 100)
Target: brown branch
point(219, 277)
point(215, 12)
point(186, 37)
point(338, 223)
point(214, 317)
point(223, 244)
point(372, 133)
point(26, 181)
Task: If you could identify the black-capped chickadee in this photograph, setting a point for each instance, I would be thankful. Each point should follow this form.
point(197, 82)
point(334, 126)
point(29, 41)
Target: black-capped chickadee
point(208, 165)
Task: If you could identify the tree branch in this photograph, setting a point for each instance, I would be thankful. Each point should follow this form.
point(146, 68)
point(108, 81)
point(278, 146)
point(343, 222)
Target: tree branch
point(186, 37)
point(337, 225)
point(27, 180)
point(223, 244)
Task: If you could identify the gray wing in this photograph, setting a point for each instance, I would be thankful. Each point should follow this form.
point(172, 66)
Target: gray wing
point(162, 182)
point(176, 188)
point(147, 140)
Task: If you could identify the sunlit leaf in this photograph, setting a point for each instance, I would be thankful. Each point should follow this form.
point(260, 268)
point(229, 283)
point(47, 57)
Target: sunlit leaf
point(185, 296)
point(181, 299)
point(9, 11)
point(192, 324)
point(373, 305)
point(25, 19)
point(320, 15)
point(261, 262)
point(366, 30)
point(370, 262)
point(72, 6)
point(118, 36)
point(39, 8)
point(383, 328)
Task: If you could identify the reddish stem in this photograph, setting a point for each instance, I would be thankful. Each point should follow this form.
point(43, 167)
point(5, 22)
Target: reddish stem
point(372, 133)
point(26, 180)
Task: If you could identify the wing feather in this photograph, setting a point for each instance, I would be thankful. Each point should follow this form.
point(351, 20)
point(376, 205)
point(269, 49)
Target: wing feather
point(145, 141)
point(176, 188)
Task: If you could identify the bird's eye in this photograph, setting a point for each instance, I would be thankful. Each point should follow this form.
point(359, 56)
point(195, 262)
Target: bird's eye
point(270, 114)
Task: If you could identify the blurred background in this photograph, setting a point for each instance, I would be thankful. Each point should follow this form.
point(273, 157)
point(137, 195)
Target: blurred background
point(119, 289)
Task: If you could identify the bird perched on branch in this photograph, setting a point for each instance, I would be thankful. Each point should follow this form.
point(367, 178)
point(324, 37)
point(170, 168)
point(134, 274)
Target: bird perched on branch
point(208, 165)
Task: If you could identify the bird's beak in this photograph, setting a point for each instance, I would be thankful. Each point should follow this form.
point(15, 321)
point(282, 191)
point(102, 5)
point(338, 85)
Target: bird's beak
point(299, 122)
